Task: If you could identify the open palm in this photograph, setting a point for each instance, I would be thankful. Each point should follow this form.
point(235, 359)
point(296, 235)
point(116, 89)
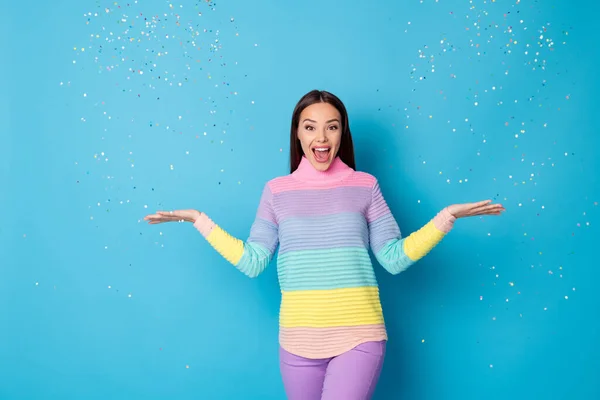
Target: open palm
point(484, 207)
point(172, 216)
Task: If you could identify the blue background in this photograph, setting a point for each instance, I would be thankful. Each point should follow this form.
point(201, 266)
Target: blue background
point(112, 110)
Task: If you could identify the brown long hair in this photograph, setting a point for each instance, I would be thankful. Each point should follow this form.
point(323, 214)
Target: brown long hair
point(346, 151)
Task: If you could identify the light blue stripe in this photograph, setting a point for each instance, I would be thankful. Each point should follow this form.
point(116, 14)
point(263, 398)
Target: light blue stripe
point(393, 258)
point(325, 269)
point(264, 233)
point(325, 231)
point(254, 260)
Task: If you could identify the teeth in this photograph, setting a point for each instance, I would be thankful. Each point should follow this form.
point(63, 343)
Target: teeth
point(321, 149)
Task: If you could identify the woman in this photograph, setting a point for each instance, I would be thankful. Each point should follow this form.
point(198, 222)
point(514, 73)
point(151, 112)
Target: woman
point(325, 216)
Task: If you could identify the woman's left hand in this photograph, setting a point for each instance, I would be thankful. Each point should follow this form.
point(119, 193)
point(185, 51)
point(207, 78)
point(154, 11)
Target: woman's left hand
point(472, 209)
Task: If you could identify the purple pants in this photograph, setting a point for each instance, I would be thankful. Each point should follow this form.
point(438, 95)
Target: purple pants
point(352, 375)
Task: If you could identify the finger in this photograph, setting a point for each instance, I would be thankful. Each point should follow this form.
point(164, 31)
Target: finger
point(494, 208)
point(487, 207)
point(494, 211)
point(167, 213)
point(473, 208)
point(160, 221)
point(480, 203)
point(483, 211)
point(164, 213)
point(164, 219)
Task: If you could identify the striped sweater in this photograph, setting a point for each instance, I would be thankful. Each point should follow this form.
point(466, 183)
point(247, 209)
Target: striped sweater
point(324, 223)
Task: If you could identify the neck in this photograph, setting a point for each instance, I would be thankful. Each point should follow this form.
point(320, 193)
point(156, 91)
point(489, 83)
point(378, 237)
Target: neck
point(336, 172)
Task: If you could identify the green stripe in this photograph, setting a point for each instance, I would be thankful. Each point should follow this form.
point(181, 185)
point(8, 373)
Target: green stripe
point(325, 269)
point(254, 260)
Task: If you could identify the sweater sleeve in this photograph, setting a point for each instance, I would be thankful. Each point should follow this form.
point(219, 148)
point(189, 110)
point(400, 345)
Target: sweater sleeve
point(391, 250)
point(254, 255)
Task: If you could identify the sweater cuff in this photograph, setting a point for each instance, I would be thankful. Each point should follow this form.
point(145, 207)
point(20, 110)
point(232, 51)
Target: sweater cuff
point(204, 224)
point(444, 221)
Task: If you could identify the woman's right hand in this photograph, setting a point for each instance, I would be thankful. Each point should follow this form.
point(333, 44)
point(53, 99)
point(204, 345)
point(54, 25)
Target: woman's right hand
point(173, 216)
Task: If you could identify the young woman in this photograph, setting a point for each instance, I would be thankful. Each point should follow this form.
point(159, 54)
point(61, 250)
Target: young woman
point(325, 216)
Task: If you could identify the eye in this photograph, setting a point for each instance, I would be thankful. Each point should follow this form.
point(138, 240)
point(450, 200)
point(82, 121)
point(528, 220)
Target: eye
point(308, 128)
point(333, 127)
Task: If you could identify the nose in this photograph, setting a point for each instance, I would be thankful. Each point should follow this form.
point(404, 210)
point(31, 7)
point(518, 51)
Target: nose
point(321, 136)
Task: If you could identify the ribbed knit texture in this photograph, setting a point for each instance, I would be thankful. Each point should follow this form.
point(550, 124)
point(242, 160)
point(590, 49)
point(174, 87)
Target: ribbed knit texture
point(324, 223)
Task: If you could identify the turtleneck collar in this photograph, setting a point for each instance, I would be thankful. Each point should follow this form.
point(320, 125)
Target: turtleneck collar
point(337, 171)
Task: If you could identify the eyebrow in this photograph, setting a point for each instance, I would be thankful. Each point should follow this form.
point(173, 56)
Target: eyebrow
point(331, 120)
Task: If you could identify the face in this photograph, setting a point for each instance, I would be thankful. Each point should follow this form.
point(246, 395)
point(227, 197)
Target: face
point(320, 134)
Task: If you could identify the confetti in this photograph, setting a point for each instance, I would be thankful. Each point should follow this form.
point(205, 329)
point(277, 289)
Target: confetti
point(491, 91)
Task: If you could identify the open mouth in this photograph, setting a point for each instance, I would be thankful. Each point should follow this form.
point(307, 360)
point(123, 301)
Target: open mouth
point(321, 153)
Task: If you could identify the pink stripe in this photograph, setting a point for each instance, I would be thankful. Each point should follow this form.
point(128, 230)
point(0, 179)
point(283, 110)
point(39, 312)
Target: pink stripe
point(288, 183)
point(444, 220)
point(328, 342)
point(204, 224)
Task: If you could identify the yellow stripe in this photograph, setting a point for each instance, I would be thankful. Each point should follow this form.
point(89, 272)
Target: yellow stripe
point(419, 243)
point(330, 308)
point(228, 246)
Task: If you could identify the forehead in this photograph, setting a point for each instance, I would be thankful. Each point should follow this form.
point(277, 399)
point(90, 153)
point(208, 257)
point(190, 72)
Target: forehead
point(320, 111)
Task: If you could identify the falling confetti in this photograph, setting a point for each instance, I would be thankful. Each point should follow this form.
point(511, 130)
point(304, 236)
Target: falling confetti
point(463, 93)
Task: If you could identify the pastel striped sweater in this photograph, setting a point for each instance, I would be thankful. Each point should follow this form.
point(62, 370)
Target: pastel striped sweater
point(324, 224)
